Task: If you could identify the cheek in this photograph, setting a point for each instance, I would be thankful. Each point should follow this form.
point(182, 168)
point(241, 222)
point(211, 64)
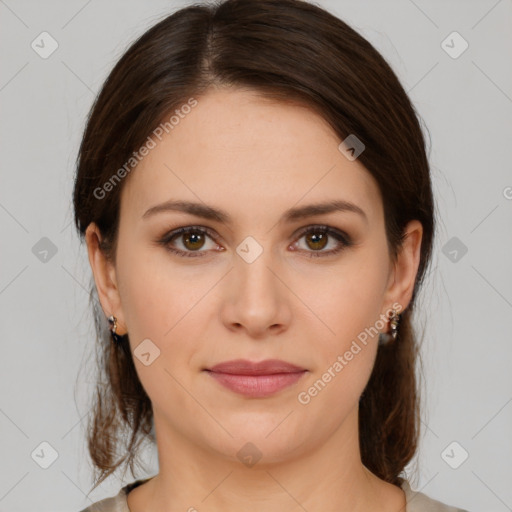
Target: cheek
point(348, 305)
point(164, 304)
point(154, 294)
point(344, 355)
point(349, 300)
point(159, 307)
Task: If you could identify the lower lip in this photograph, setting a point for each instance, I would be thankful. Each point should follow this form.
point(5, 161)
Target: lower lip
point(257, 386)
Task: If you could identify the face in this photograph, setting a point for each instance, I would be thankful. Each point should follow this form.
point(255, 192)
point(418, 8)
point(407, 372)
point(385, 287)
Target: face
point(256, 282)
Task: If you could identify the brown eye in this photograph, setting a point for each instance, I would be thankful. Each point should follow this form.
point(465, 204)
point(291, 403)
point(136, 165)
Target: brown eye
point(317, 241)
point(193, 240)
point(318, 237)
point(189, 241)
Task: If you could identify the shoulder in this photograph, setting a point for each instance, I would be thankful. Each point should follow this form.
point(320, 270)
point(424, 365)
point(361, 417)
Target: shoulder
point(419, 502)
point(115, 503)
point(416, 501)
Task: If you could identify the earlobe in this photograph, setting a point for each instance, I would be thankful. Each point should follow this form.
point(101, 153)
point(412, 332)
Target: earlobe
point(406, 266)
point(104, 273)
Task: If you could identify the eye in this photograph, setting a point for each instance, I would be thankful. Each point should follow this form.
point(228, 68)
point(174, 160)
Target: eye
point(318, 237)
point(193, 239)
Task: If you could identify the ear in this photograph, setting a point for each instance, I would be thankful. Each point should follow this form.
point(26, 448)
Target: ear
point(404, 270)
point(105, 277)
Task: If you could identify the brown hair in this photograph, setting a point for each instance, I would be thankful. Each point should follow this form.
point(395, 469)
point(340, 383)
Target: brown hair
point(288, 50)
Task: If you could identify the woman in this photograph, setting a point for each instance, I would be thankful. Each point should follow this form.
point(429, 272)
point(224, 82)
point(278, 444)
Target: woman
point(255, 196)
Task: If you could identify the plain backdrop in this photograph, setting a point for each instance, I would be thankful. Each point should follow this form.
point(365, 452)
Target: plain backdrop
point(46, 328)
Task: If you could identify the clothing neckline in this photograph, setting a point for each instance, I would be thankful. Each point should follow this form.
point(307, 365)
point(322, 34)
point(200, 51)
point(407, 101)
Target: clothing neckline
point(123, 493)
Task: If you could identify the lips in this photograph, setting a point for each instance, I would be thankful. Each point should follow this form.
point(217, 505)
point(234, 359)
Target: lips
point(245, 367)
point(256, 379)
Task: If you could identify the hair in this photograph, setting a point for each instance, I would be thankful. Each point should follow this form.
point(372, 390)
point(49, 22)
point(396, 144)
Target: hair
point(288, 51)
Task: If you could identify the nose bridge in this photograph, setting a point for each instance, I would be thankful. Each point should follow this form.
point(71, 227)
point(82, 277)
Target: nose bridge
point(253, 270)
point(257, 300)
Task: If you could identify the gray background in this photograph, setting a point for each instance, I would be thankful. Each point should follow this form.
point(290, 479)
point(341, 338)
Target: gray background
point(46, 329)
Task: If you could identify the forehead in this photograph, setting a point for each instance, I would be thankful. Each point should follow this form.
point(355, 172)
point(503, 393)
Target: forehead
point(250, 156)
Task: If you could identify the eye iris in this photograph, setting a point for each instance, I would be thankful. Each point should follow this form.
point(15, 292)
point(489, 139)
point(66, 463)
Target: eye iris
point(193, 238)
point(319, 240)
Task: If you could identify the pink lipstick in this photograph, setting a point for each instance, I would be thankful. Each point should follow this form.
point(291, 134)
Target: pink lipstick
point(256, 379)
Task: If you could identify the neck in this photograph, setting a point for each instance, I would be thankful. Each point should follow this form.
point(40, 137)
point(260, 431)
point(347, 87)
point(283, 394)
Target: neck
point(329, 477)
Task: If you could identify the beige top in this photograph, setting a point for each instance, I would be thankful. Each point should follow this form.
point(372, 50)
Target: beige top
point(415, 501)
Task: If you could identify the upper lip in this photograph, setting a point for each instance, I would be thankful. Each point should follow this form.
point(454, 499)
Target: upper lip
point(245, 367)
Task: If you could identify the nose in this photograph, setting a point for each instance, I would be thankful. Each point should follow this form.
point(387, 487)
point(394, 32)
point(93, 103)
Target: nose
point(256, 298)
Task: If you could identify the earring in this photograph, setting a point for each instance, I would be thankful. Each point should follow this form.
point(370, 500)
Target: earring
point(387, 338)
point(117, 338)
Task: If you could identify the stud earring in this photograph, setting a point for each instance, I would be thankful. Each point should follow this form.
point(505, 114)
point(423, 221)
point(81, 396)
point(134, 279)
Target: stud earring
point(117, 338)
point(386, 338)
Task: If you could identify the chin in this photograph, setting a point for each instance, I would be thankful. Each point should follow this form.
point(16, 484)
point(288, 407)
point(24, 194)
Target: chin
point(257, 445)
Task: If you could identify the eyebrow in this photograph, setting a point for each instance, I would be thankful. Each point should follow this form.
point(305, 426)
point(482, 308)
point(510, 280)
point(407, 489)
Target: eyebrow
point(293, 214)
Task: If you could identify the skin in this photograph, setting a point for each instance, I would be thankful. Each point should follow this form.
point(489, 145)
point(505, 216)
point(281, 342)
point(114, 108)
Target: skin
point(254, 159)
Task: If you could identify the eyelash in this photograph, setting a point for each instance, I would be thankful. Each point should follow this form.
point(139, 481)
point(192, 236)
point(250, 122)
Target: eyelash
point(341, 237)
